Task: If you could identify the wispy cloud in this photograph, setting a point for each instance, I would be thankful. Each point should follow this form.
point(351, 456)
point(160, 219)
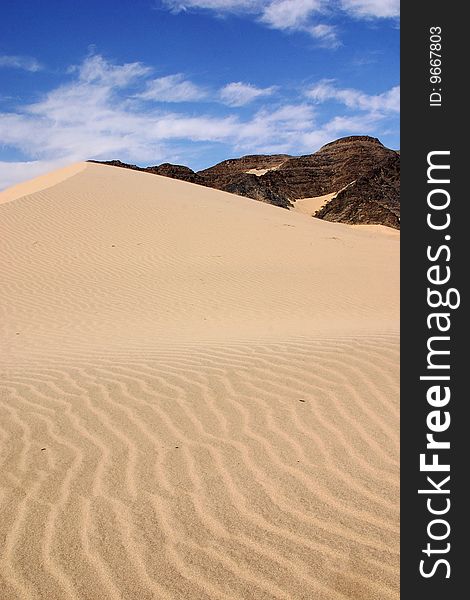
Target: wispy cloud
point(386, 102)
point(93, 119)
point(97, 70)
point(216, 5)
point(172, 88)
point(313, 17)
point(100, 114)
point(287, 14)
point(371, 9)
point(326, 35)
point(297, 15)
point(292, 10)
point(239, 93)
point(26, 63)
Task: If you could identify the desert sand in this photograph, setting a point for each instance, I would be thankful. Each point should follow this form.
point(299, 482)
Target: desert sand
point(199, 396)
point(309, 206)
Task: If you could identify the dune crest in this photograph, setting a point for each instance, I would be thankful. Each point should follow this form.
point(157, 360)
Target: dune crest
point(41, 182)
point(199, 396)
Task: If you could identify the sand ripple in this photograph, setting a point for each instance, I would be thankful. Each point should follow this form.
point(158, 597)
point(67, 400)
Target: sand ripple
point(197, 401)
point(234, 471)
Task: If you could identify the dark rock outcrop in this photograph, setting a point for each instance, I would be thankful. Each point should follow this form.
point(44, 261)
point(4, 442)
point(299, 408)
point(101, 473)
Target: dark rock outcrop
point(245, 164)
point(364, 173)
point(237, 177)
point(365, 170)
point(374, 198)
point(253, 186)
point(176, 172)
point(334, 166)
point(118, 163)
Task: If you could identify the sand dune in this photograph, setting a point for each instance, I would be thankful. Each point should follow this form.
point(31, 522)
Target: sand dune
point(199, 396)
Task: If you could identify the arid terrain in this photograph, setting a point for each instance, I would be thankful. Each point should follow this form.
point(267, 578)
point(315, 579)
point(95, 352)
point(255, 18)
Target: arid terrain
point(199, 394)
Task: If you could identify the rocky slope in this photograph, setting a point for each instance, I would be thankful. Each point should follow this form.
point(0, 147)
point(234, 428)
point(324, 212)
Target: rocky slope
point(364, 173)
point(372, 198)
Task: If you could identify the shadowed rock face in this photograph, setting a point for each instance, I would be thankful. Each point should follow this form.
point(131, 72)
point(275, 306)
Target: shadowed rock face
point(118, 163)
point(234, 176)
point(176, 172)
point(366, 172)
point(264, 188)
point(334, 166)
point(374, 198)
point(245, 163)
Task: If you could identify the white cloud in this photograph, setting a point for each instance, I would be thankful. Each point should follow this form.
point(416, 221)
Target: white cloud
point(290, 14)
point(277, 12)
point(297, 15)
point(26, 63)
point(370, 9)
point(172, 88)
point(326, 35)
point(95, 69)
point(281, 126)
point(239, 94)
point(97, 115)
point(216, 5)
point(387, 102)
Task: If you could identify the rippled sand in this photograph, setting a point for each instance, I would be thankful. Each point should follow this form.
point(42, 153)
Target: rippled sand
point(199, 396)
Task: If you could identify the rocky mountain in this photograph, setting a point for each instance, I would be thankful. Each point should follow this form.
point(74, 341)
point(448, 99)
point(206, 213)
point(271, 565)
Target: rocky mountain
point(360, 170)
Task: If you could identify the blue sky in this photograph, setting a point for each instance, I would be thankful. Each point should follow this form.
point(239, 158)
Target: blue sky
point(191, 81)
